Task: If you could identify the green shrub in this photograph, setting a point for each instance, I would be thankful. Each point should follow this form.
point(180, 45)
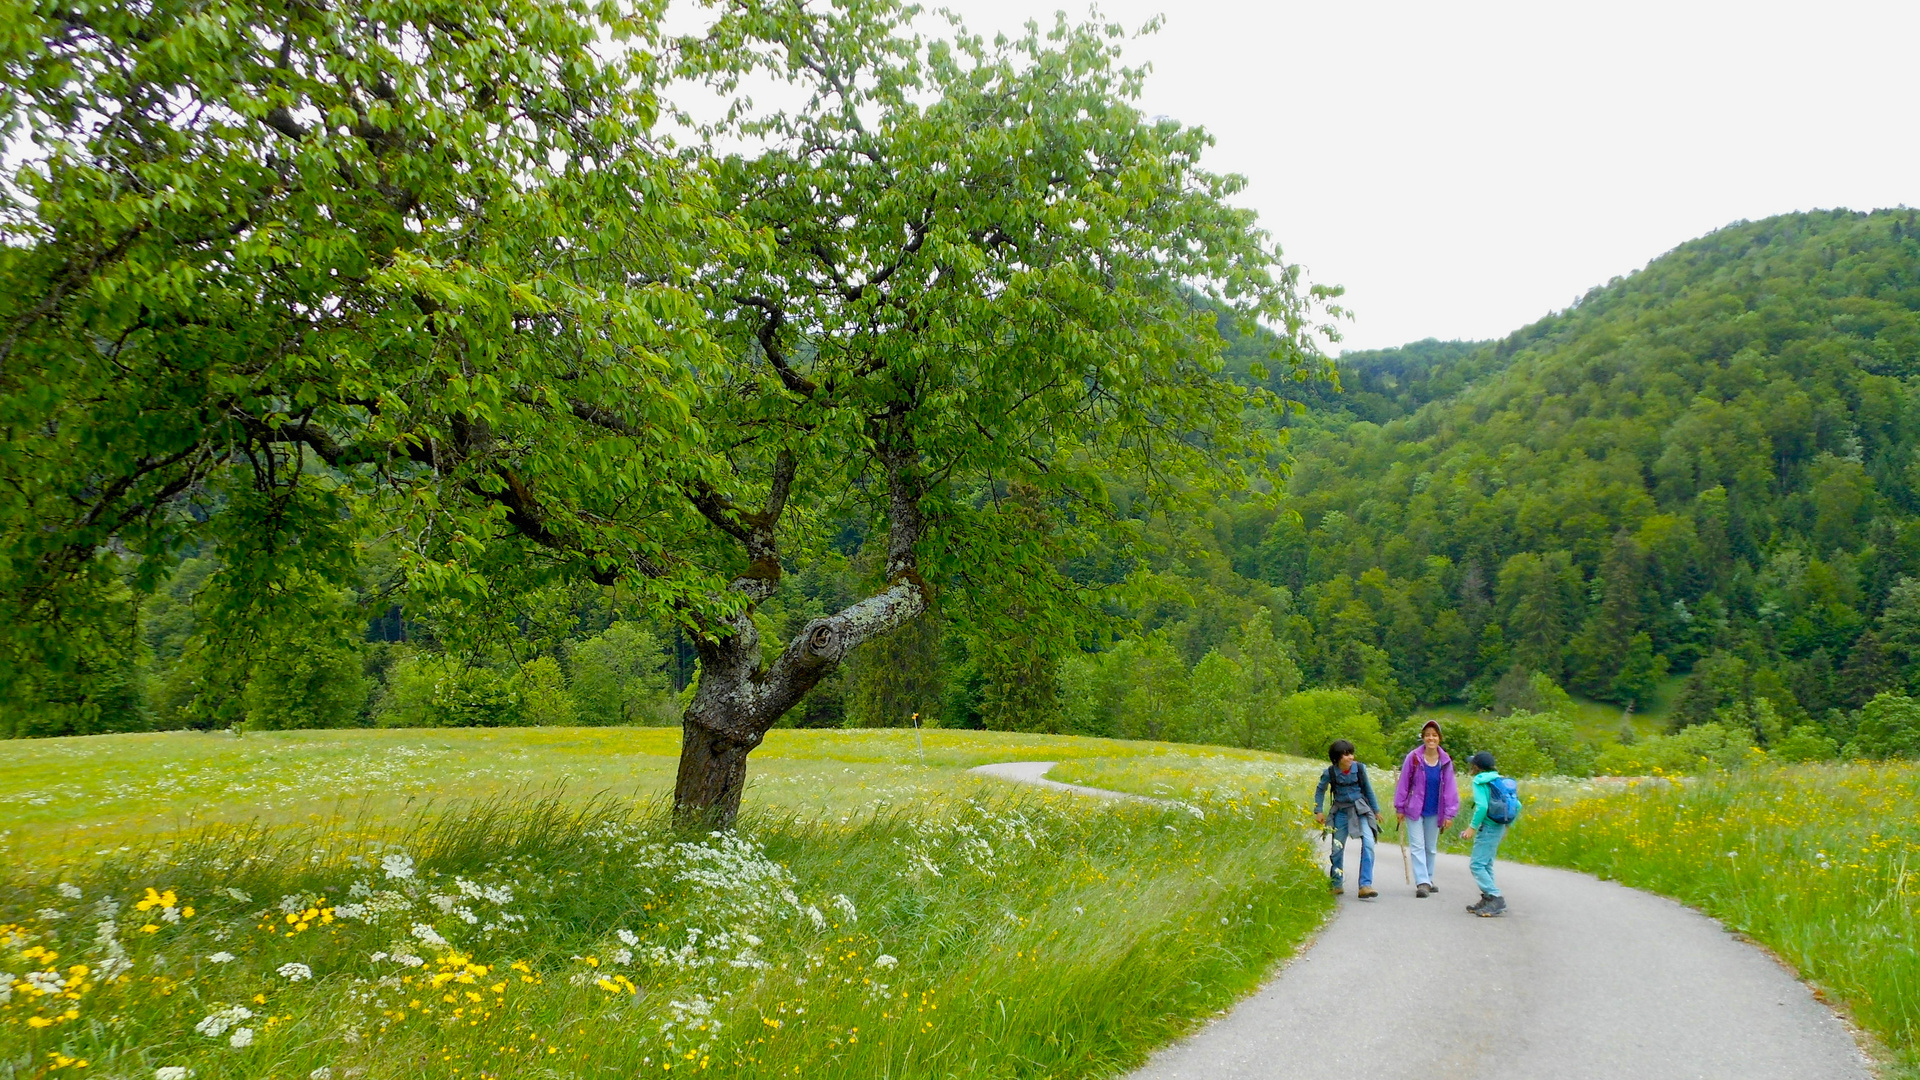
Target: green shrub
point(1699, 748)
point(619, 677)
point(1522, 743)
point(1805, 743)
point(428, 690)
point(1889, 727)
point(544, 701)
point(1307, 722)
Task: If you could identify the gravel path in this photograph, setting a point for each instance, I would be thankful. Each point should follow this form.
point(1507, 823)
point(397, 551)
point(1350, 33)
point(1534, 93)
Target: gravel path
point(1581, 979)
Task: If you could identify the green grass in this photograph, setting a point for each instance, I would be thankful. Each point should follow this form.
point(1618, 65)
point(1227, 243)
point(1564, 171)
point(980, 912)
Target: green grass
point(1820, 863)
point(67, 798)
point(873, 916)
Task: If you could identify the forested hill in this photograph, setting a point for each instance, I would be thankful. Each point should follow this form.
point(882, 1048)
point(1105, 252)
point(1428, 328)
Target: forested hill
point(1711, 465)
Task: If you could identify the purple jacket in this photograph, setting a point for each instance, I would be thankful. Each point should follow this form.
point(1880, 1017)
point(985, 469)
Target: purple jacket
point(1410, 794)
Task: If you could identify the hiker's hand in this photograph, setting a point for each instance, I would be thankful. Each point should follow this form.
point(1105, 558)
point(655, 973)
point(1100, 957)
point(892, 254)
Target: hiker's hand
point(1321, 818)
point(1466, 833)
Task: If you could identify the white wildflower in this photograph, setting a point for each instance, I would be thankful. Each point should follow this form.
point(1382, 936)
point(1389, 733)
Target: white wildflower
point(171, 915)
point(217, 1022)
point(428, 935)
point(321, 1073)
point(883, 961)
point(295, 972)
point(846, 907)
point(71, 892)
point(50, 914)
point(238, 895)
point(819, 921)
point(627, 937)
point(398, 867)
point(621, 956)
point(46, 982)
point(6, 987)
point(222, 957)
point(171, 1072)
point(242, 1038)
point(377, 957)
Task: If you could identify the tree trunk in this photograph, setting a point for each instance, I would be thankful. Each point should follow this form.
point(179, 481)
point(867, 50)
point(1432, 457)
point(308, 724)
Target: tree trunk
point(738, 699)
point(713, 773)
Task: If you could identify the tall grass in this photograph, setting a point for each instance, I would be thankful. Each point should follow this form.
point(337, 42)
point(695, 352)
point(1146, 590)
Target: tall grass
point(1013, 937)
point(1820, 863)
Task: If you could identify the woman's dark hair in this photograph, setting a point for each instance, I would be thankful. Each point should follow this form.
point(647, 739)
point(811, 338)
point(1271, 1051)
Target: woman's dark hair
point(1340, 748)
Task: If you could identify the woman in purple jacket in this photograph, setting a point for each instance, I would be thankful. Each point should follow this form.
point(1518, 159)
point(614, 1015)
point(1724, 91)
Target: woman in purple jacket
point(1427, 800)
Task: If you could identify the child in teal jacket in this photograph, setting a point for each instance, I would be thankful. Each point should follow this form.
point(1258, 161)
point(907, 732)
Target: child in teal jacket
point(1486, 835)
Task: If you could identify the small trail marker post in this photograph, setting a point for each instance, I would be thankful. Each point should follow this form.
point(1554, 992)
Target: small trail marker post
point(917, 744)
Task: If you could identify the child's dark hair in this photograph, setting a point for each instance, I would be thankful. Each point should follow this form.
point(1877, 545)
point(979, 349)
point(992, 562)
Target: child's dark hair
point(1340, 748)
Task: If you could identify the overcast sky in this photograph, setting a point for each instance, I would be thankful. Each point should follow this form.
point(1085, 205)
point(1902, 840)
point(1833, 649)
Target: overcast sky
point(1465, 168)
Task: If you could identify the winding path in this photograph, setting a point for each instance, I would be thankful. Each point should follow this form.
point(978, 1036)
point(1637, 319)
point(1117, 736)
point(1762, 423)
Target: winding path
point(1581, 979)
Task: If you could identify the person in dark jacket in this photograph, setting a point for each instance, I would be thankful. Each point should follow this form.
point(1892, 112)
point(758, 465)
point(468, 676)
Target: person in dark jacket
point(1354, 809)
point(1427, 798)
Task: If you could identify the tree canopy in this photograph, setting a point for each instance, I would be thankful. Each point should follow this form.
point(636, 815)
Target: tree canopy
point(432, 285)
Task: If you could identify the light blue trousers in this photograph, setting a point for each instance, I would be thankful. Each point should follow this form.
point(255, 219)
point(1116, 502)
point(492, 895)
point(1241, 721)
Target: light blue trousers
point(1423, 843)
point(1485, 843)
point(1346, 822)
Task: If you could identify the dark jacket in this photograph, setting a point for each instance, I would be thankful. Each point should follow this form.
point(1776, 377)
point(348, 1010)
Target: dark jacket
point(1348, 788)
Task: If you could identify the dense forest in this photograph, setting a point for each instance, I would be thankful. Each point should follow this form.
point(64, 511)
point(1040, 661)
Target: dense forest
point(1709, 468)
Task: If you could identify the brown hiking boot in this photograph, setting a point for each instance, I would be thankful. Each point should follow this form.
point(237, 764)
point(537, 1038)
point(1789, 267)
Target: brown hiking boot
point(1423, 890)
point(1367, 892)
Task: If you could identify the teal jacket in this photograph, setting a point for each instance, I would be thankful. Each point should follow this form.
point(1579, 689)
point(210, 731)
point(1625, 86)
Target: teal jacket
point(1480, 782)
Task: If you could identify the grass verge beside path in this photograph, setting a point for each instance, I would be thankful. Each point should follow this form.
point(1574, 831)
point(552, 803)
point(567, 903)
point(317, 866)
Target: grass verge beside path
point(1820, 863)
point(967, 931)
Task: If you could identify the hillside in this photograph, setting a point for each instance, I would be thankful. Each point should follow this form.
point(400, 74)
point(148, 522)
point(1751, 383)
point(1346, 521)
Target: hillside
point(1708, 466)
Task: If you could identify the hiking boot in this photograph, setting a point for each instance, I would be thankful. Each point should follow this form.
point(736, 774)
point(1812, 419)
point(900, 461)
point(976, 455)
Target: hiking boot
point(1474, 909)
point(1422, 890)
point(1367, 892)
point(1495, 905)
point(1432, 888)
point(1337, 889)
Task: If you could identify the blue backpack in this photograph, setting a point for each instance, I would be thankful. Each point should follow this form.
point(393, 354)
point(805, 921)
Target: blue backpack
point(1503, 801)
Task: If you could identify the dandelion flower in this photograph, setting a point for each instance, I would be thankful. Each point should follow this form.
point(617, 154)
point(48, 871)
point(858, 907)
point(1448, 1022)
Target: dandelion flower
point(295, 972)
point(221, 957)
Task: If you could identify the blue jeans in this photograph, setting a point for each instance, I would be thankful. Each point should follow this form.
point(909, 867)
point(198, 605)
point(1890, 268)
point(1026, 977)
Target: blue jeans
point(1342, 821)
point(1485, 843)
point(1423, 843)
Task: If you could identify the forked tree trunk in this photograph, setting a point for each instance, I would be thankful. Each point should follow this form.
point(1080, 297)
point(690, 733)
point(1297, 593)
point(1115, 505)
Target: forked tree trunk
point(738, 700)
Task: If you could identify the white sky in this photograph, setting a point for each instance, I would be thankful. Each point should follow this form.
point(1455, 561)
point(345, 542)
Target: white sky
point(1464, 168)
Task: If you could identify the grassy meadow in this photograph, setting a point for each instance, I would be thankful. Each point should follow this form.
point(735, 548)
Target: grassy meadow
point(1820, 863)
point(348, 904)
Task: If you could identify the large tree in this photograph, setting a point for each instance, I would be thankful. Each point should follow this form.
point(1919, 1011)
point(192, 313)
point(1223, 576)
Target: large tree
point(430, 276)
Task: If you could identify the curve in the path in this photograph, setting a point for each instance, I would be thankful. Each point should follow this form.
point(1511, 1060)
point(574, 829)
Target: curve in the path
point(1583, 979)
point(1035, 773)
